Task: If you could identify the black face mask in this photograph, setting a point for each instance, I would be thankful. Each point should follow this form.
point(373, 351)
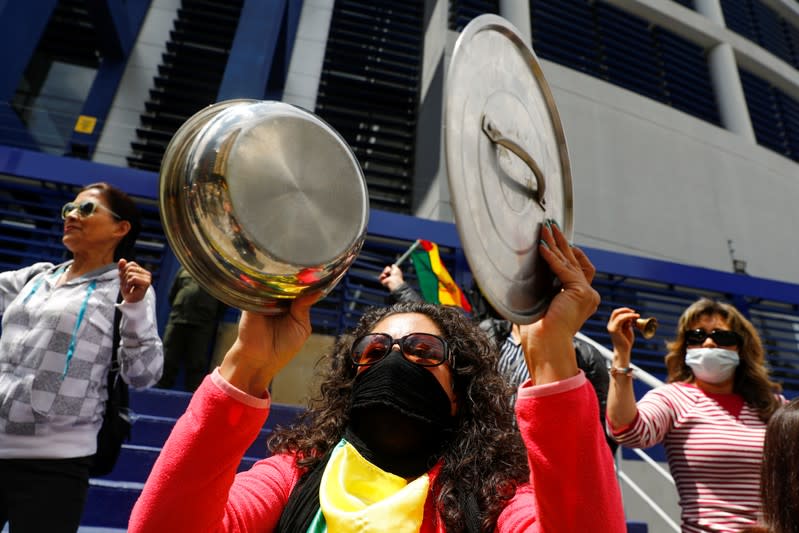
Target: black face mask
point(399, 416)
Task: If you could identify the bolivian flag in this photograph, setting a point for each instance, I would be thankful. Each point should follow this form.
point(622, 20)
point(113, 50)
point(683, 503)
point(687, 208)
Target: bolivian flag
point(434, 281)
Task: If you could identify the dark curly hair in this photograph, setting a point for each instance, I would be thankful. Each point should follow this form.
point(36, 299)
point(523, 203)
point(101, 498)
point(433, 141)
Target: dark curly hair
point(780, 470)
point(124, 206)
point(751, 377)
point(486, 457)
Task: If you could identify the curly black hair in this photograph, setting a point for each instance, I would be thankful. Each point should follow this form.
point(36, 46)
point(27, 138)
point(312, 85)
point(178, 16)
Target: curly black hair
point(486, 458)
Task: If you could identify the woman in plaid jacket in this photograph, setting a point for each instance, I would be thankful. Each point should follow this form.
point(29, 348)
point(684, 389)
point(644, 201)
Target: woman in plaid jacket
point(55, 351)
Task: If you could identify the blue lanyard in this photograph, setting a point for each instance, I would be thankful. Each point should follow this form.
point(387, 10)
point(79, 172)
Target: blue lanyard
point(40, 281)
point(82, 311)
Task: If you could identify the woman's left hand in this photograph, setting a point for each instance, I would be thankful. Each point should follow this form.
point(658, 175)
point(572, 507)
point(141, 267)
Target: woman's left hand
point(548, 344)
point(134, 280)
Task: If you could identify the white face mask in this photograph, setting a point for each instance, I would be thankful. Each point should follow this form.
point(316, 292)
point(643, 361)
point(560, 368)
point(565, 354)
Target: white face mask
point(712, 365)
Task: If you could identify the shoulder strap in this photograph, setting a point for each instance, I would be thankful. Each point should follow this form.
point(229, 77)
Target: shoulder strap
point(113, 370)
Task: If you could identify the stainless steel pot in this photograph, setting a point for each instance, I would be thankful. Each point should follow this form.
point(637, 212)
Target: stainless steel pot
point(261, 202)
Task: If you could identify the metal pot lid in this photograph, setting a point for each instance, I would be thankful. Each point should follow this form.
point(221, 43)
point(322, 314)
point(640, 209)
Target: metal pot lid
point(507, 165)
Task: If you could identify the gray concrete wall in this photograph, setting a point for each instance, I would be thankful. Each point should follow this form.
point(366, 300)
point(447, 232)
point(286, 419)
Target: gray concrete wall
point(308, 54)
point(655, 182)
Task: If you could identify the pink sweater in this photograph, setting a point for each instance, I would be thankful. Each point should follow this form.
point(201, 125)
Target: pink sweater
point(194, 487)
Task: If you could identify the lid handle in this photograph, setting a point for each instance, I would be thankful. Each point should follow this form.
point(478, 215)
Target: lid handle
point(498, 138)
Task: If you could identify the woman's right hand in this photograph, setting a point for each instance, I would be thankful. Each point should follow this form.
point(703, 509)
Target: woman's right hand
point(621, 407)
point(622, 334)
point(265, 344)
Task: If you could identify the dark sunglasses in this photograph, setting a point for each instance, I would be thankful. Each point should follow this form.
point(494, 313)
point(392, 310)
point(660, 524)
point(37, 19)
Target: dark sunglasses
point(423, 349)
point(722, 337)
point(85, 209)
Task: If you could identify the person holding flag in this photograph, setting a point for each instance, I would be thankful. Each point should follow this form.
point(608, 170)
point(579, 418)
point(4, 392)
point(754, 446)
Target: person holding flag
point(435, 282)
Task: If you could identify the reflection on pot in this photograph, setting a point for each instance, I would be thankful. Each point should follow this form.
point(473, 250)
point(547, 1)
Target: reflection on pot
point(261, 202)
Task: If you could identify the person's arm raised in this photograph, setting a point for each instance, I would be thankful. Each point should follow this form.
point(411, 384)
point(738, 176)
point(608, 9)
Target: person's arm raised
point(621, 409)
point(547, 343)
point(391, 277)
point(265, 344)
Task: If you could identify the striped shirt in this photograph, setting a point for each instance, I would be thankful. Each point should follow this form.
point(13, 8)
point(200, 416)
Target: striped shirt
point(714, 456)
point(511, 363)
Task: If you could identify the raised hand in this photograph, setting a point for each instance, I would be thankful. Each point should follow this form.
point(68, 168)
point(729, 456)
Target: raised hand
point(547, 343)
point(391, 277)
point(622, 334)
point(134, 280)
point(265, 344)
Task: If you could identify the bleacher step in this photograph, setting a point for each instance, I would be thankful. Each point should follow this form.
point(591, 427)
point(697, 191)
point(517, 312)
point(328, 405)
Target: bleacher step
point(151, 430)
point(154, 413)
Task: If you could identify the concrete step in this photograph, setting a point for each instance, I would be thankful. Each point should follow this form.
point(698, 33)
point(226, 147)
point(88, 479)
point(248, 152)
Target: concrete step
point(160, 402)
point(150, 430)
point(154, 413)
point(168, 403)
point(136, 461)
point(111, 497)
point(109, 504)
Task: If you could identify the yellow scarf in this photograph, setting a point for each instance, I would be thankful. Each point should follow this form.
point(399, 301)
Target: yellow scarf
point(355, 496)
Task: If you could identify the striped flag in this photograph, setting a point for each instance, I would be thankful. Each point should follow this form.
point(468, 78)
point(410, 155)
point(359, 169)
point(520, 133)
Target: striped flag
point(435, 282)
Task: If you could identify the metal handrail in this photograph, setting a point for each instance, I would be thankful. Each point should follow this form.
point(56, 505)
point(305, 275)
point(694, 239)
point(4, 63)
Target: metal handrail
point(643, 495)
point(653, 382)
point(640, 373)
point(654, 464)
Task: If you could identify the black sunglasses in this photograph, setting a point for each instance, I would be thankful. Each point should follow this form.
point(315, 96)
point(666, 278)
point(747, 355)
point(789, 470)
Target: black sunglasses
point(423, 349)
point(722, 337)
point(85, 209)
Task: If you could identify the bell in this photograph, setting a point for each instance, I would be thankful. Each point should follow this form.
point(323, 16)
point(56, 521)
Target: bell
point(647, 326)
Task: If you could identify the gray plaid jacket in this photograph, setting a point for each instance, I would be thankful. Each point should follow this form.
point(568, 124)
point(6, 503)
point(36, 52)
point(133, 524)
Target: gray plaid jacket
point(52, 405)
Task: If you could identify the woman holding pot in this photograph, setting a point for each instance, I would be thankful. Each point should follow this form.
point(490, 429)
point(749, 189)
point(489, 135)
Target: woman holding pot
point(711, 415)
point(412, 430)
point(55, 353)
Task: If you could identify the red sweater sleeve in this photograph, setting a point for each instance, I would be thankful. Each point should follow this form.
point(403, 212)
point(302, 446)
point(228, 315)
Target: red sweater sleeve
point(573, 484)
point(193, 486)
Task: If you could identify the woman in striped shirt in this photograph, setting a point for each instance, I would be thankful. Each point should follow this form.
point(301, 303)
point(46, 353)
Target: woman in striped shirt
point(711, 416)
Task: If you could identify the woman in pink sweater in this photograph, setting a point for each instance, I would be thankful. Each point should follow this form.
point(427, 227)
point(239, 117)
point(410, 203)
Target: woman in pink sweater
point(412, 430)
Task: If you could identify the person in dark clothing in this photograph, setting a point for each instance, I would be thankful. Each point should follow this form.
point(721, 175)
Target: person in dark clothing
point(505, 335)
point(189, 332)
